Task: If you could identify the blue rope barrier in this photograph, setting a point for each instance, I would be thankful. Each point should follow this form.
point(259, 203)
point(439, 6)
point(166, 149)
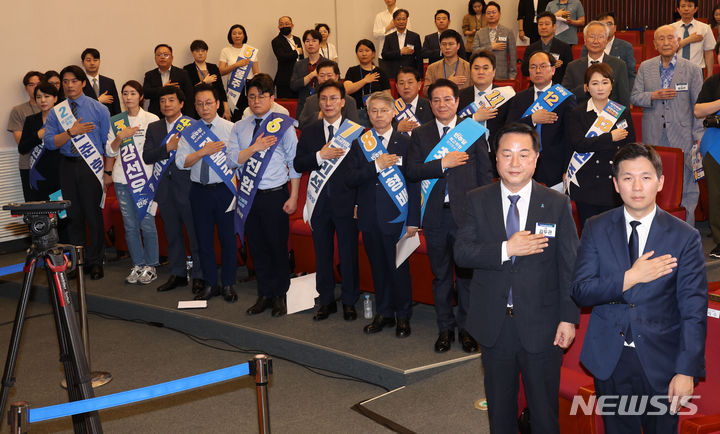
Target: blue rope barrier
point(10, 269)
point(131, 396)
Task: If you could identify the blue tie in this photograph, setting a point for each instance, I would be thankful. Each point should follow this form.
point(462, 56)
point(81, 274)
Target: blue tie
point(73, 109)
point(204, 167)
point(686, 49)
point(512, 225)
point(538, 127)
point(447, 195)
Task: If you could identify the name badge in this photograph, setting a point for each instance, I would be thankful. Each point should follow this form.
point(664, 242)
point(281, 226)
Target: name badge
point(411, 46)
point(547, 229)
point(681, 87)
point(399, 163)
point(622, 125)
point(502, 38)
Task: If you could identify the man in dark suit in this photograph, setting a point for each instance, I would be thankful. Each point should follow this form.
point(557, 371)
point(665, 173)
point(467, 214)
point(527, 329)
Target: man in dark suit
point(166, 74)
point(561, 51)
point(408, 86)
point(528, 13)
point(431, 43)
point(376, 210)
point(98, 86)
point(304, 79)
point(326, 70)
point(287, 49)
point(173, 192)
point(623, 50)
point(402, 47)
point(333, 213)
point(643, 272)
point(596, 36)
point(555, 148)
point(520, 239)
point(456, 174)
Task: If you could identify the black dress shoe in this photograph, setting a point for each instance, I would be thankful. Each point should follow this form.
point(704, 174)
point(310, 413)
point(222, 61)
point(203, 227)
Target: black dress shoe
point(198, 286)
point(444, 340)
point(469, 345)
point(260, 305)
point(349, 313)
point(403, 328)
point(378, 323)
point(172, 283)
point(96, 272)
point(324, 311)
point(229, 294)
point(208, 293)
point(278, 306)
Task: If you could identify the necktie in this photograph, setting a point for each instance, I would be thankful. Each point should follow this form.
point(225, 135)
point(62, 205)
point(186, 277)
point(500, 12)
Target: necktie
point(73, 109)
point(331, 132)
point(204, 167)
point(96, 87)
point(634, 250)
point(686, 49)
point(538, 127)
point(447, 195)
point(512, 225)
point(257, 126)
point(594, 62)
point(484, 123)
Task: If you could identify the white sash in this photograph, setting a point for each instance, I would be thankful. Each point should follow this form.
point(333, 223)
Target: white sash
point(82, 143)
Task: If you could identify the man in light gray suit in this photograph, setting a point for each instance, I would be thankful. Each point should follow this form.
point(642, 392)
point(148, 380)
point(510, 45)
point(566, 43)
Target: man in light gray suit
point(617, 47)
point(596, 36)
point(500, 40)
point(666, 87)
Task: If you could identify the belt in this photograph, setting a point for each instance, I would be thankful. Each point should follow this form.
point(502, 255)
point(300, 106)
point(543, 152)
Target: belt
point(270, 190)
point(208, 186)
point(510, 312)
point(446, 204)
point(72, 159)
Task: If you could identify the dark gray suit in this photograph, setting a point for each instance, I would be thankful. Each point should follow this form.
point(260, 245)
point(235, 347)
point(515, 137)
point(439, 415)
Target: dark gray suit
point(574, 80)
point(300, 70)
point(311, 108)
point(624, 51)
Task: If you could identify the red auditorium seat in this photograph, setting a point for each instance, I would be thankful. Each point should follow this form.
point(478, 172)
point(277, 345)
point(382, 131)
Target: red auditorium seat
point(393, 88)
point(577, 51)
point(581, 40)
point(520, 53)
point(638, 52)
point(636, 114)
point(290, 104)
point(632, 36)
point(650, 50)
point(670, 196)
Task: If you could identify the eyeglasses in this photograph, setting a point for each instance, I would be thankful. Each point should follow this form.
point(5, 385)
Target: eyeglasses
point(163, 55)
point(596, 37)
point(376, 112)
point(258, 97)
point(203, 104)
point(542, 67)
point(331, 99)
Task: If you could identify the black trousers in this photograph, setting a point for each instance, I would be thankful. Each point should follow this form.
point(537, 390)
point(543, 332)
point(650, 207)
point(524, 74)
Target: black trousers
point(25, 181)
point(324, 227)
point(393, 290)
point(712, 178)
point(80, 186)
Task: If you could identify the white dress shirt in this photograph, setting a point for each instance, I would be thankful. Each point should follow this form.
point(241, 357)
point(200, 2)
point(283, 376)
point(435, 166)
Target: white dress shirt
point(523, 204)
point(326, 124)
point(643, 229)
point(697, 49)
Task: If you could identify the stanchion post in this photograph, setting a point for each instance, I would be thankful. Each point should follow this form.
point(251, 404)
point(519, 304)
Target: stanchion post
point(80, 250)
point(261, 367)
point(18, 418)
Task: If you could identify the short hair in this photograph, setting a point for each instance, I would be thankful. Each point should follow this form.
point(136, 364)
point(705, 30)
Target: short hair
point(172, 90)
point(327, 63)
point(286, 16)
point(91, 51)
point(380, 96)
point(635, 150)
point(162, 45)
point(485, 54)
point(595, 23)
point(711, 18)
point(443, 82)
point(366, 42)
point(408, 70)
point(549, 56)
point(333, 84)
point(312, 32)
point(471, 3)
point(204, 87)
point(30, 74)
point(400, 11)
point(492, 3)
point(441, 11)
point(608, 14)
point(601, 68)
point(198, 44)
point(47, 88)
point(517, 128)
point(135, 85)
point(677, 2)
point(451, 34)
point(319, 26)
point(74, 70)
point(237, 26)
point(547, 14)
point(50, 73)
point(263, 83)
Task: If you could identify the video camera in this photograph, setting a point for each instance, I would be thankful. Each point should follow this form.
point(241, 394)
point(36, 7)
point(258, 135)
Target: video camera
point(41, 218)
point(712, 121)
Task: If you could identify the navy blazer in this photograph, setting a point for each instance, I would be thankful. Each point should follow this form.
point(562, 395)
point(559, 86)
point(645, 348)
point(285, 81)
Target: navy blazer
point(175, 183)
point(105, 84)
point(423, 112)
point(556, 47)
point(467, 96)
point(624, 50)
point(392, 58)
point(152, 84)
point(668, 316)
point(336, 197)
point(375, 207)
point(431, 48)
point(195, 79)
point(475, 172)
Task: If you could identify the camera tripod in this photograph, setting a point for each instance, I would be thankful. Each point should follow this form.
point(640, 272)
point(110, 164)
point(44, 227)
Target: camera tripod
point(41, 218)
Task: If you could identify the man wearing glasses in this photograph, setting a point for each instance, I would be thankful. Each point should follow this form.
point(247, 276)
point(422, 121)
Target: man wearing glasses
point(166, 74)
point(617, 47)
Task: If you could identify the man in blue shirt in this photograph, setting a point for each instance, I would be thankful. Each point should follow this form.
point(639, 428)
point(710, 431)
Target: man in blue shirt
point(267, 224)
point(78, 182)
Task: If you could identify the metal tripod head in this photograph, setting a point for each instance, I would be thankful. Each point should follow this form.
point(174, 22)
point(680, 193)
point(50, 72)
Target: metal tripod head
point(42, 220)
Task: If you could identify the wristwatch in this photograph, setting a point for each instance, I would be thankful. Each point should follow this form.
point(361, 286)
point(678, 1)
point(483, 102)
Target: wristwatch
point(69, 133)
point(108, 172)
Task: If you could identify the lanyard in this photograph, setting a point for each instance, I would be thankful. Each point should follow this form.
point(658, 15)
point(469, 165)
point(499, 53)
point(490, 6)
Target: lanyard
point(202, 75)
point(457, 62)
point(369, 85)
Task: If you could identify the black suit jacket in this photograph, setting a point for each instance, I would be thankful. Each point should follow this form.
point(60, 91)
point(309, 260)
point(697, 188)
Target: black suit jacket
point(554, 138)
point(106, 84)
point(431, 48)
point(195, 79)
point(574, 79)
point(392, 58)
point(375, 207)
point(540, 283)
point(556, 47)
point(459, 180)
point(527, 13)
point(286, 58)
point(175, 183)
point(336, 197)
point(423, 112)
point(467, 96)
point(152, 84)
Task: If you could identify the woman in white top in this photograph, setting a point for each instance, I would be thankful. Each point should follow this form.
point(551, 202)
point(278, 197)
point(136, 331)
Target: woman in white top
point(237, 37)
point(143, 251)
point(327, 49)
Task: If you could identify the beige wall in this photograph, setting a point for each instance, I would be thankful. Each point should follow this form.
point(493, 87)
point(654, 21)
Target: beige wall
point(47, 34)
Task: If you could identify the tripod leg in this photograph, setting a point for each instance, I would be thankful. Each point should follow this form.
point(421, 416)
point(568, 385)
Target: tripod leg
point(8, 379)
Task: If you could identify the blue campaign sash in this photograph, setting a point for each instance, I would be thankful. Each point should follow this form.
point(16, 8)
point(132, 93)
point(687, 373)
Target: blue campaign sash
point(402, 111)
point(603, 124)
point(493, 99)
point(275, 125)
point(36, 176)
point(710, 142)
point(342, 139)
point(83, 144)
point(236, 82)
point(132, 164)
point(548, 100)
point(391, 177)
point(459, 139)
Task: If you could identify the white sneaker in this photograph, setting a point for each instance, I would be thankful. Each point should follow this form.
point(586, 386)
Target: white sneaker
point(147, 276)
point(134, 274)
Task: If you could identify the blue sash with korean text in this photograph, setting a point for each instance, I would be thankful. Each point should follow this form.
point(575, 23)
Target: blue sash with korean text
point(342, 139)
point(548, 100)
point(236, 82)
point(35, 155)
point(85, 147)
point(273, 125)
point(391, 178)
point(493, 99)
point(132, 164)
point(402, 111)
point(459, 139)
